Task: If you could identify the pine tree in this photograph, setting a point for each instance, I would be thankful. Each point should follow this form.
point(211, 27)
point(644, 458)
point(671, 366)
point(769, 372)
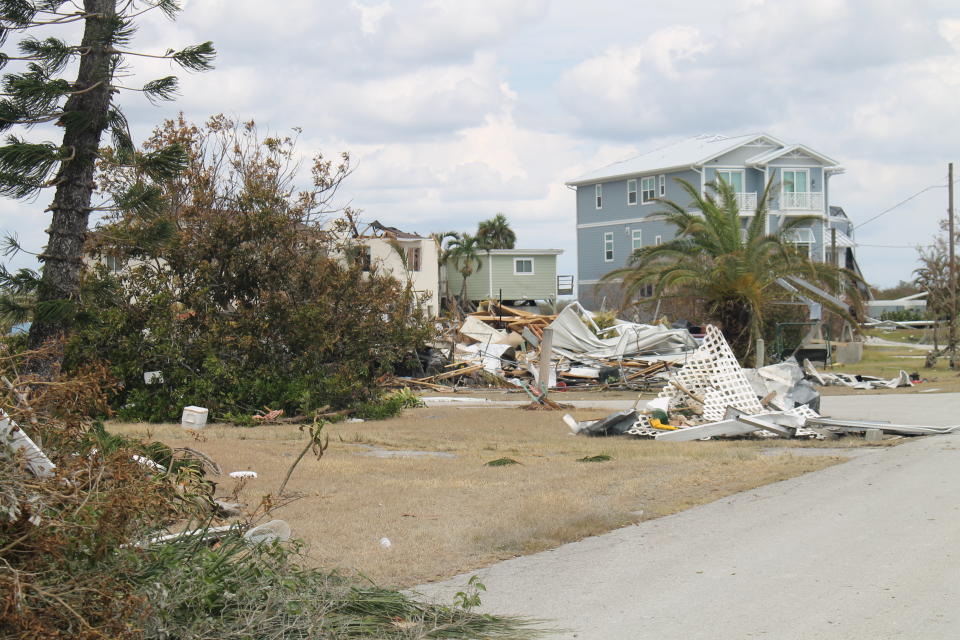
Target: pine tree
point(84, 108)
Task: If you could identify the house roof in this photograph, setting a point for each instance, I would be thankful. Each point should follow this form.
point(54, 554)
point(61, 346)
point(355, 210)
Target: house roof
point(377, 230)
point(685, 153)
point(524, 252)
point(769, 156)
point(838, 212)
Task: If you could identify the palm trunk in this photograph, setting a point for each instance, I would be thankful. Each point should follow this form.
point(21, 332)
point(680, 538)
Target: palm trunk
point(84, 120)
point(736, 321)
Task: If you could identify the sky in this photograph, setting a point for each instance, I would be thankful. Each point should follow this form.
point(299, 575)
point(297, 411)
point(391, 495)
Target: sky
point(455, 110)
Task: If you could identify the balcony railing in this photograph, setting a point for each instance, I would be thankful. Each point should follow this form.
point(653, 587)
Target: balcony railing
point(803, 201)
point(747, 201)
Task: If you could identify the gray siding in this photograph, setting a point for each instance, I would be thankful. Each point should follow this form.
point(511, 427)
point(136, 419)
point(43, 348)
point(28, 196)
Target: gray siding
point(740, 155)
point(620, 218)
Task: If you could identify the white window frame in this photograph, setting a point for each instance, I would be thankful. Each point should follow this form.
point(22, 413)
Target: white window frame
point(598, 195)
point(743, 178)
point(644, 190)
point(608, 254)
point(663, 185)
point(783, 183)
point(658, 240)
point(632, 191)
point(113, 264)
point(636, 239)
point(524, 273)
point(802, 237)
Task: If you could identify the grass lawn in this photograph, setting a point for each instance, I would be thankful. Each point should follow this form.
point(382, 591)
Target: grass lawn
point(449, 514)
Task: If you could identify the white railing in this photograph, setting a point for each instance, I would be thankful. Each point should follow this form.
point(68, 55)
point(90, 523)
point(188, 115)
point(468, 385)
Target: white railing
point(747, 201)
point(804, 201)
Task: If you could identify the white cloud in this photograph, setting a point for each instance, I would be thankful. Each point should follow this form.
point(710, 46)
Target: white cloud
point(457, 109)
point(371, 15)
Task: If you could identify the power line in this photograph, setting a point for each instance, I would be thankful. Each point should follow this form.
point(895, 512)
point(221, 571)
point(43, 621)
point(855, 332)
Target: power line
point(891, 246)
point(901, 203)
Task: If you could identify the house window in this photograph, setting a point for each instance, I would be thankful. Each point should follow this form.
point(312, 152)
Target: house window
point(631, 192)
point(598, 192)
point(413, 259)
point(608, 247)
point(794, 189)
point(113, 264)
point(658, 240)
point(648, 189)
point(636, 239)
point(794, 180)
point(802, 239)
point(663, 186)
point(366, 260)
point(523, 266)
point(733, 177)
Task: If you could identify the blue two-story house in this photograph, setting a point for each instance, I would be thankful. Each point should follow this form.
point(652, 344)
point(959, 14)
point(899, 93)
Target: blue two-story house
point(617, 205)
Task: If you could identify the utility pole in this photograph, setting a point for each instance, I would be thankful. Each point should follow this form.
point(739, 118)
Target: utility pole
point(952, 339)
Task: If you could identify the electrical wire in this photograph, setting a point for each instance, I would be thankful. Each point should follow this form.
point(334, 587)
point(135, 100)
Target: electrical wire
point(903, 202)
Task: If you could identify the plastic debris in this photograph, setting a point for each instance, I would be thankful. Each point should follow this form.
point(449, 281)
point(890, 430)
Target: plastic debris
point(194, 417)
point(243, 474)
point(385, 543)
point(275, 530)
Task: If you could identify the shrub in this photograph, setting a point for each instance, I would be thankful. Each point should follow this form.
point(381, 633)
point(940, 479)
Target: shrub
point(238, 290)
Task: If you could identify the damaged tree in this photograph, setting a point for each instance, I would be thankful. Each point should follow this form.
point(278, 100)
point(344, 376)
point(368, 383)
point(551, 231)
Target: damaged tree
point(241, 290)
point(84, 109)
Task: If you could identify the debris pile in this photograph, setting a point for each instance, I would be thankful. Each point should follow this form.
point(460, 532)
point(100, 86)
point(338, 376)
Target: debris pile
point(855, 381)
point(503, 346)
point(712, 396)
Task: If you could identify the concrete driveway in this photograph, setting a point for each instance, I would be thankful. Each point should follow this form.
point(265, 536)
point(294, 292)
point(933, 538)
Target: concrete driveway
point(866, 549)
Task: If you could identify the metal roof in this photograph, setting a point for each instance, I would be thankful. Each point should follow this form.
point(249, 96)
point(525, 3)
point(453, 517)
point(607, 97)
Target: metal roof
point(685, 153)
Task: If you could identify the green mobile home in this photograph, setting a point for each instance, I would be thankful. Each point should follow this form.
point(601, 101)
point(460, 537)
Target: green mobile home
point(510, 275)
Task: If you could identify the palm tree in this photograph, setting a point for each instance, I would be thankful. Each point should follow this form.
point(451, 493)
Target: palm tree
point(496, 233)
point(733, 270)
point(462, 252)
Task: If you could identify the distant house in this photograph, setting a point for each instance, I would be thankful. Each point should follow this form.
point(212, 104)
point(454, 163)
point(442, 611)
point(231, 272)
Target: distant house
point(916, 303)
point(617, 205)
point(404, 256)
point(509, 274)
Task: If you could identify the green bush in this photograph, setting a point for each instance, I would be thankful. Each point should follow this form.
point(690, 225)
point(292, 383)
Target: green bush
point(235, 292)
point(389, 406)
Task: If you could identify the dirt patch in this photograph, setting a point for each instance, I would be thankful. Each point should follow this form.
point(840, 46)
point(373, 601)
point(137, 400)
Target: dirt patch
point(445, 515)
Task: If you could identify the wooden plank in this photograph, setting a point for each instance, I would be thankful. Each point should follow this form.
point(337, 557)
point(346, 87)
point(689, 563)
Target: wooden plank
point(454, 374)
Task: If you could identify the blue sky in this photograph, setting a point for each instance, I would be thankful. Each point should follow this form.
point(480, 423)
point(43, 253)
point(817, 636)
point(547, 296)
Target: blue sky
point(454, 110)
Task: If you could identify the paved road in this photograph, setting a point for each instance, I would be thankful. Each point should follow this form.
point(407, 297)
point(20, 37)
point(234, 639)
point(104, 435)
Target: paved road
point(866, 549)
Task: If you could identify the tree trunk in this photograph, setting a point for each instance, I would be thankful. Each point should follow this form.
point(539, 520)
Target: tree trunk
point(85, 118)
point(735, 319)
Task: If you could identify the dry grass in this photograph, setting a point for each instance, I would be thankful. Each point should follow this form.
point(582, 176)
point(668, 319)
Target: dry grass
point(447, 515)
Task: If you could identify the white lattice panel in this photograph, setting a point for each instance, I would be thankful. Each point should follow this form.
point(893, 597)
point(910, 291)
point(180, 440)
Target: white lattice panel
point(714, 374)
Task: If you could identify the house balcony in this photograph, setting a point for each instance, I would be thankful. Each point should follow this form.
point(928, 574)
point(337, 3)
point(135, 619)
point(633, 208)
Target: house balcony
point(747, 202)
point(801, 201)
